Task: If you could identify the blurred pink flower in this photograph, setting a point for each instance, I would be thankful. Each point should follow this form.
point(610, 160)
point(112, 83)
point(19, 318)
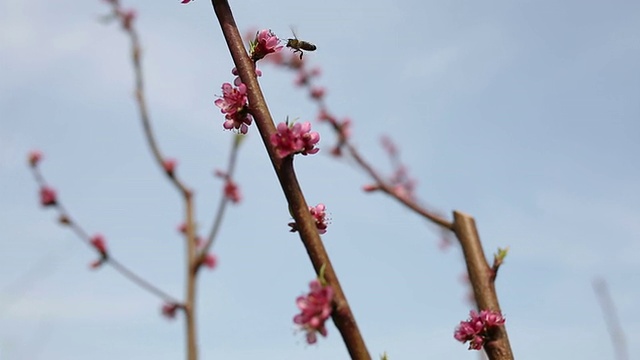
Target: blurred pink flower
point(34, 157)
point(169, 310)
point(232, 191)
point(99, 243)
point(47, 196)
point(210, 261)
point(169, 166)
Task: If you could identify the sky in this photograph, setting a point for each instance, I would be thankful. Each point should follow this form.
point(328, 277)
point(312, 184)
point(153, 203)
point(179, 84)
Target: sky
point(524, 114)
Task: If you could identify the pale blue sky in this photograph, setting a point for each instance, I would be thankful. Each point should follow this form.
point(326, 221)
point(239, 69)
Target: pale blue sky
point(524, 114)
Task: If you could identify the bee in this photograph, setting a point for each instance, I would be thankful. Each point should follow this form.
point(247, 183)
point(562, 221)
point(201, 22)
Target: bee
point(299, 45)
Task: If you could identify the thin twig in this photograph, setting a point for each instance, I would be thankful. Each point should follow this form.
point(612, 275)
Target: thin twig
point(190, 291)
point(611, 319)
point(222, 205)
point(86, 238)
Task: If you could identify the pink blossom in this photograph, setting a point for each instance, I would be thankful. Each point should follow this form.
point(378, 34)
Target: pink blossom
point(265, 43)
point(47, 196)
point(97, 263)
point(477, 329)
point(210, 261)
point(319, 215)
point(182, 228)
point(232, 191)
point(295, 138)
point(315, 309)
point(234, 104)
point(185, 1)
point(126, 17)
point(233, 99)
point(169, 166)
point(34, 157)
point(99, 243)
point(317, 93)
point(491, 318)
point(169, 310)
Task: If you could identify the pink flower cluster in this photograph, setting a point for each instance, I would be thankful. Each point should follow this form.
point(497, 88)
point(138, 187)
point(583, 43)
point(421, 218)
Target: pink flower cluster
point(478, 327)
point(265, 43)
point(234, 104)
point(295, 138)
point(315, 309)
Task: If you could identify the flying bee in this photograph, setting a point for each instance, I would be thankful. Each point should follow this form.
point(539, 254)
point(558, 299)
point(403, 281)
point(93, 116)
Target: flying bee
point(299, 45)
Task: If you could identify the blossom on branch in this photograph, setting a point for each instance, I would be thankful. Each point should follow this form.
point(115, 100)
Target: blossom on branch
point(317, 92)
point(34, 157)
point(210, 261)
point(265, 43)
point(234, 104)
point(99, 243)
point(319, 215)
point(169, 310)
point(47, 196)
point(232, 191)
point(169, 166)
point(231, 188)
point(315, 309)
point(295, 139)
point(477, 329)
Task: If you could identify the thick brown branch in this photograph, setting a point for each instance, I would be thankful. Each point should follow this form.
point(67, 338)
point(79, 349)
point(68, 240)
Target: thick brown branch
point(481, 278)
point(342, 315)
